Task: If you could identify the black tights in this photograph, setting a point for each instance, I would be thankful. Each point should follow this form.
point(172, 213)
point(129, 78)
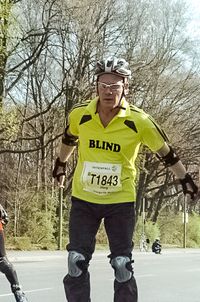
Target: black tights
point(5, 266)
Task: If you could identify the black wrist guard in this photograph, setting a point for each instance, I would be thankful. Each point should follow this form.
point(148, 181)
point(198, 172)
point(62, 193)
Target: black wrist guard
point(59, 164)
point(192, 190)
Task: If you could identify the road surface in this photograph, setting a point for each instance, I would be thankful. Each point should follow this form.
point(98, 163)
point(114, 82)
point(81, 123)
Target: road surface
point(173, 276)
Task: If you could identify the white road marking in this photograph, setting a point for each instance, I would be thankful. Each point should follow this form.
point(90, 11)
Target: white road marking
point(144, 275)
point(30, 291)
point(193, 270)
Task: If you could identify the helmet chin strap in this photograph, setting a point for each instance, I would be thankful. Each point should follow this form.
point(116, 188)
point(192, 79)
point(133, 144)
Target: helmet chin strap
point(119, 103)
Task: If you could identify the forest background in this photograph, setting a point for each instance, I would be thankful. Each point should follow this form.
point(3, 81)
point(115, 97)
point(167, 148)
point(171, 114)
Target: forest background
point(48, 50)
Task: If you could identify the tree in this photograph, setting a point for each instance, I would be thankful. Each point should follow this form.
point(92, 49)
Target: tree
point(50, 51)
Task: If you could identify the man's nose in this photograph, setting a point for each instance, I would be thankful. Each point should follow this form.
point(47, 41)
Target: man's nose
point(108, 90)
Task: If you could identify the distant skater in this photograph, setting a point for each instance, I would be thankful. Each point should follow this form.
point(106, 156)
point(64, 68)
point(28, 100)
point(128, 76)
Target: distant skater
point(156, 247)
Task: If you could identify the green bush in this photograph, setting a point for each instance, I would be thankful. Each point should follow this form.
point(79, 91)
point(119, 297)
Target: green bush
point(151, 231)
point(171, 229)
point(20, 243)
point(40, 230)
point(193, 231)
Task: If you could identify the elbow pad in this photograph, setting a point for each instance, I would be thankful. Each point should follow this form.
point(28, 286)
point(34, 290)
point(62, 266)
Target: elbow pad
point(170, 159)
point(69, 140)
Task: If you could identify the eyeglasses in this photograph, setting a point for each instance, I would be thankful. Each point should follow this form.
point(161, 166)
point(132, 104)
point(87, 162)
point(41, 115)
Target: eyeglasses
point(113, 87)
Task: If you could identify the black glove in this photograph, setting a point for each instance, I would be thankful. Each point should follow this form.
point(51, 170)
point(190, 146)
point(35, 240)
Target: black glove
point(3, 215)
point(193, 189)
point(59, 164)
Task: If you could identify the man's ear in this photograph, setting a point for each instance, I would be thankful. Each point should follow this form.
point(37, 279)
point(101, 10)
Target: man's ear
point(97, 90)
point(96, 87)
point(126, 88)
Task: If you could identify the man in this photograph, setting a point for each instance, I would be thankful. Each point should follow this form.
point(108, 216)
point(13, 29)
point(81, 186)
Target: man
point(156, 247)
point(109, 132)
point(5, 266)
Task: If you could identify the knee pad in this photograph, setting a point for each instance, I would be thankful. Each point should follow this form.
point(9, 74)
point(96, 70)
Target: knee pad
point(123, 268)
point(77, 264)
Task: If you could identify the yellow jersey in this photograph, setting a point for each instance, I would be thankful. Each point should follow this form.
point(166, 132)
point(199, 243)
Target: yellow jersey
point(105, 171)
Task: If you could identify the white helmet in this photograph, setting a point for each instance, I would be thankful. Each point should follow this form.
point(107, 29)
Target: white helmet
point(113, 65)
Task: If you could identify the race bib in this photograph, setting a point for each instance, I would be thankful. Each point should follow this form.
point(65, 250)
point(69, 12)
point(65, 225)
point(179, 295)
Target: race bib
point(101, 178)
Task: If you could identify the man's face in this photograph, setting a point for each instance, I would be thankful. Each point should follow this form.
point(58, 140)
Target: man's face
point(110, 96)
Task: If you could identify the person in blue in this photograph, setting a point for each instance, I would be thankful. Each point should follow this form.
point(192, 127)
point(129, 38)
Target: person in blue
point(5, 266)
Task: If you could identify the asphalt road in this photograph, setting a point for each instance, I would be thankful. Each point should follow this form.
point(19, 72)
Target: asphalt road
point(173, 276)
